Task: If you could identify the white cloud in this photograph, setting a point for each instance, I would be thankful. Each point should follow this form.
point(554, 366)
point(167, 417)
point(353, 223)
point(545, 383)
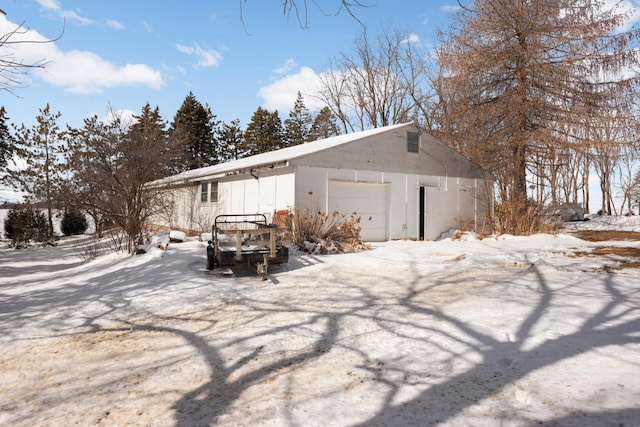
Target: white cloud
point(83, 73)
point(412, 38)
point(281, 94)
point(116, 25)
point(80, 72)
point(126, 117)
point(54, 6)
point(450, 8)
point(185, 49)
point(287, 66)
point(48, 4)
point(206, 57)
point(147, 26)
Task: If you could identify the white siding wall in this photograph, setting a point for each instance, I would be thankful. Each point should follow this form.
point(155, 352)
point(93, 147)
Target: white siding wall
point(240, 194)
point(455, 197)
point(307, 187)
point(188, 212)
point(246, 194)
point(311, 188)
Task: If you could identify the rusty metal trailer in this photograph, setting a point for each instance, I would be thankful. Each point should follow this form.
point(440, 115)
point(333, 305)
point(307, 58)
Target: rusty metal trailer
point(248, 239)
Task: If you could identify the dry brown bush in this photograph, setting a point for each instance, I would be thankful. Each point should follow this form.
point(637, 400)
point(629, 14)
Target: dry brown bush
point(531, 219)
point(465, 226)
point(317, 231)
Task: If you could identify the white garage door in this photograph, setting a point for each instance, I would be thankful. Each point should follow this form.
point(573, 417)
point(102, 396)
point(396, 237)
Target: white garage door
point(367, 200)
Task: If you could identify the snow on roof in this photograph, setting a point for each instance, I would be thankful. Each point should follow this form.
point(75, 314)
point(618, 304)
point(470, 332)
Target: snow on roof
point(273, 157)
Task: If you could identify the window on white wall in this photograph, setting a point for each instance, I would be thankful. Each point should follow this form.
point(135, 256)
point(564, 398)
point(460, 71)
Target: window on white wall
point(214, 192)
point(209, 192)
point(204, 192)
point(413, 142)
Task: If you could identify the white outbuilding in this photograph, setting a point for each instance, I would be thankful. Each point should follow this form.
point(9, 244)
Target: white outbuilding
point(402, 182)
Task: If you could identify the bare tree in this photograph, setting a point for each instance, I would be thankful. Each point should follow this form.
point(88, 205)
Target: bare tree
point(609, 144)
point(516, 73)
point(625, 171)
point(382, 82)
point(112, 163)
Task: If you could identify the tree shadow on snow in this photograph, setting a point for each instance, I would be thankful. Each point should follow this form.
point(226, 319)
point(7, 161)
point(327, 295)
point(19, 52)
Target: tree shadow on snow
point(501, 359)
point(404, 312)
point(503, 362)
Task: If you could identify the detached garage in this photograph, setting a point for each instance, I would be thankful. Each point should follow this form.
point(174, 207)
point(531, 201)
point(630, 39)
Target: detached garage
point(400, 181)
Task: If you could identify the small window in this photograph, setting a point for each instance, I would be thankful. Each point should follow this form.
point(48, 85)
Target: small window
point(413, 142)
point(214, 191)
point(204, 192)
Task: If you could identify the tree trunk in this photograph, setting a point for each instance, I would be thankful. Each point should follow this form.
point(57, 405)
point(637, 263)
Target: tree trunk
point(519, 190)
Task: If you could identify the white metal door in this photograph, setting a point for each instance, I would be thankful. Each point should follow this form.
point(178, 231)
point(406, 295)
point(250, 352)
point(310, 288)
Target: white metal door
point(369, 201)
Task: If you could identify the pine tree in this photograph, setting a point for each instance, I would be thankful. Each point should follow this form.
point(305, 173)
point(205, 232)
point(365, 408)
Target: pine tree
point(194, 126)
point(230, 141)
point(6, 140)
point(324, 125)
point(42, 148)
point(148, 133)
point(298, 125)
point(264, 132)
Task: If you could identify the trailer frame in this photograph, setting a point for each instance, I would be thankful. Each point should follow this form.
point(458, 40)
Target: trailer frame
point(249, 239)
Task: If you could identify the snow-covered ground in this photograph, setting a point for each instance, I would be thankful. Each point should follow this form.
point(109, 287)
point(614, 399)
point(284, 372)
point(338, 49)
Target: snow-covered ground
point(507, 331)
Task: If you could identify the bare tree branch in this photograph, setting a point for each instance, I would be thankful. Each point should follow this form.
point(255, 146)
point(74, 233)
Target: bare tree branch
point(300, 8)
point(12, 69)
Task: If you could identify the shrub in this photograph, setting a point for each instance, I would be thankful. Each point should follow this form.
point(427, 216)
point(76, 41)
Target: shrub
point(73, 222)
point(532, 218)
point(319, 232)
point(466, 226)
point(23, 225)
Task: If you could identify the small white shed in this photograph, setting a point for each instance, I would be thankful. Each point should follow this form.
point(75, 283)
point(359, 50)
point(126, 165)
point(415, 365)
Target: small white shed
point(401, 181)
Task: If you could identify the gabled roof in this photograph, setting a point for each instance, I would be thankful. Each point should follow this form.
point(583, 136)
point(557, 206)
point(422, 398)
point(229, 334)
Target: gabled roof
point(272, 157)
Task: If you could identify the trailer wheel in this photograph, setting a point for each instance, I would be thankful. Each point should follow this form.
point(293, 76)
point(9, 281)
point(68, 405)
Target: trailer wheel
point(211, 257)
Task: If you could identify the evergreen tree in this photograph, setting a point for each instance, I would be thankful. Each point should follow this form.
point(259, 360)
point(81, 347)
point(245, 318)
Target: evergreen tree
point(24, 225)
point(73, 222)
point(324, 125)
point(6, 140)
point(298, 125)
point(148, 133)
point(230, 141)
point(42, 148)
point(264, 132)
point(194, 126)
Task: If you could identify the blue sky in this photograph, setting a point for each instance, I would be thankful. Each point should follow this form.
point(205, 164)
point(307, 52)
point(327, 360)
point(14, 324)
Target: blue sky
point(234, 55)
